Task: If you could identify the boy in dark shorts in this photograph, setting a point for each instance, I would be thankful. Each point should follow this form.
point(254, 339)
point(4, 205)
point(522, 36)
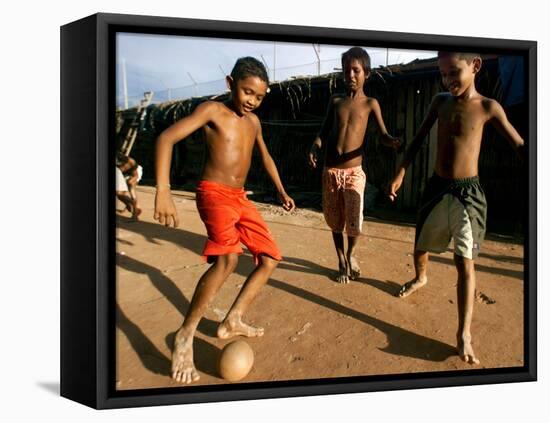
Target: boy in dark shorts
point(344, 180)
point(232, 131)
point(453, 203)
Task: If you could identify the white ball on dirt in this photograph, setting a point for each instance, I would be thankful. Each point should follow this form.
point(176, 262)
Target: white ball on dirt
point(236, 361)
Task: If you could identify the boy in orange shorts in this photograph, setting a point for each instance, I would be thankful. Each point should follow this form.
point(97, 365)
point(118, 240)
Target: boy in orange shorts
point(344, 181)
point(232, 131)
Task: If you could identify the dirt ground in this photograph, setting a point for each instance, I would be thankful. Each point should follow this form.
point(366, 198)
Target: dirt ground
point(315, 327)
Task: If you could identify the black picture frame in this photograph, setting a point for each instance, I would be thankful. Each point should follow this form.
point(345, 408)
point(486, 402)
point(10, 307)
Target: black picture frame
point(87, 231)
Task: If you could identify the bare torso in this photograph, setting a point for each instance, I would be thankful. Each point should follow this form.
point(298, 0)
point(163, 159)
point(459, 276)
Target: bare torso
point(230, 140)
point(460, 130)
point(346, 136)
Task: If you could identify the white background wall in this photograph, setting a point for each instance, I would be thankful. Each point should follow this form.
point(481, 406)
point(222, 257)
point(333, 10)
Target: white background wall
point(29, 211)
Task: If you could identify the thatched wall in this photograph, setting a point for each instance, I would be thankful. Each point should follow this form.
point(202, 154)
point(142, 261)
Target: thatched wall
point(291, 116)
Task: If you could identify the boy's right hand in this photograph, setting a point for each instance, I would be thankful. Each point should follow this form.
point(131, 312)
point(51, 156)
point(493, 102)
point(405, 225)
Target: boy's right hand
point(165, 211)
point(394, 187)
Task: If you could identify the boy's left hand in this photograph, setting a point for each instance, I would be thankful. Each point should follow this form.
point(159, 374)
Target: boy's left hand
point(288, 203)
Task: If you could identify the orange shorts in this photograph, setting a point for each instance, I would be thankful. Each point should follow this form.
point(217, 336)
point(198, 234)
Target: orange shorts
point(231, 219)
point(343, 191)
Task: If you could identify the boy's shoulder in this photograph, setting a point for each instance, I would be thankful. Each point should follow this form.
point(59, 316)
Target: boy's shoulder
point(212, 104)
point(214, 110)
point(254, 119)
point(371, 101)
point(490, 105)
point(209, 108)
point(336, 98)
point(441, 98)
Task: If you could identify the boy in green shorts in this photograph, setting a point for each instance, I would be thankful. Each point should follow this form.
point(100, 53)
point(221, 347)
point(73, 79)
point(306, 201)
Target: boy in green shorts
point(453, 203)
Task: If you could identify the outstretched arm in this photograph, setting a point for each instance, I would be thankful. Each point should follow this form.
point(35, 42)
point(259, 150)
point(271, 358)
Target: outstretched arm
point(322, 136)
point(499, 120)
point(416, 143)
point(385, 138)
point(269, 165)
point(165, 211)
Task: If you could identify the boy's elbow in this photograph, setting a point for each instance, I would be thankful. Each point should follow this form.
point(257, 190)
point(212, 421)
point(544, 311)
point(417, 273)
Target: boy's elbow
point(160, 139)
point(268, 160)
point(163, 140)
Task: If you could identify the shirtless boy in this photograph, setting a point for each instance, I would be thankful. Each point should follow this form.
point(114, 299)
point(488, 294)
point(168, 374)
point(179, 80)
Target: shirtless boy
point(343, 132)
point(453, 203)
point(232, 131)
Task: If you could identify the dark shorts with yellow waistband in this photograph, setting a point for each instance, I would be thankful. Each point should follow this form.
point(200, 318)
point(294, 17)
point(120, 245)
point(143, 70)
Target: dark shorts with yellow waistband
point(452, 208)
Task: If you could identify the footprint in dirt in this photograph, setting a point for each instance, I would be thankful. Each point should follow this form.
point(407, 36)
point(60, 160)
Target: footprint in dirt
point(484, 299)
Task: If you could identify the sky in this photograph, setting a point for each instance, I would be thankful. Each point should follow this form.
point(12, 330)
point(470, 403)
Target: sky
point(177, 67)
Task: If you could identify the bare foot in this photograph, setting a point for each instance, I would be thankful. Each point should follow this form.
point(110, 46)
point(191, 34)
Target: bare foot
point(411, 287)
point(183, 368)
point(465, 351)
point(342, 276)
point(355, 270)
point(231, 327)
point(136, 213)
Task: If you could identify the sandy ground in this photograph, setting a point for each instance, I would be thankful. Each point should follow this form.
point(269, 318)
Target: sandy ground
point(315, 327)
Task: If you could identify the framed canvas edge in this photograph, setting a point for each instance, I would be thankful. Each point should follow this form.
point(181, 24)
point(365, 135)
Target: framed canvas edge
point(78, 272)
point(104, 263)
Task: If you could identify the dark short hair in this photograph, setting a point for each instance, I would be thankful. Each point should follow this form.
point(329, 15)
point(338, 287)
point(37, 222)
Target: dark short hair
point(249, 66)
point(121, 158)
point(360, 55)
point(461, 55)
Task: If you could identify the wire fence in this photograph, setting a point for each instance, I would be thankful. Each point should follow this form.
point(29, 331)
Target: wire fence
point(218, 86)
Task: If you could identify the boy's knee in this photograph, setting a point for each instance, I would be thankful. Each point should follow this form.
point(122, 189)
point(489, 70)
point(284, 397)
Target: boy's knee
point(461, 260)
point(268, 262)
point(228, 262)
point(463, 264)
point(232, 261)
